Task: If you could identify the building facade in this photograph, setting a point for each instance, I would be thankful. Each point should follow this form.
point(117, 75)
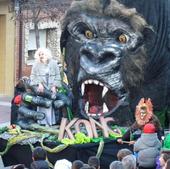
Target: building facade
point(17, 43)
point(7, 50)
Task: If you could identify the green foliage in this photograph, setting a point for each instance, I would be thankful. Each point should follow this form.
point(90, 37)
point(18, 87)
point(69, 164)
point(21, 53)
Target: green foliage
point(115, 135)
point(80, 138)
point(96, 140)
point(3, 129)
point(68, 141)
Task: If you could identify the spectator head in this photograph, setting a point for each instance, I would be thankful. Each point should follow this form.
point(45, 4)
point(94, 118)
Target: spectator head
point(63, 164)
point(94, 161)
point(167, 165)
point(129, 162)
point(123, 153)
point(163, 158)
point(77, 164)
point(18, 166)
point(39, 154)
point(149, 128)
point(86, 166)
point(116, 165)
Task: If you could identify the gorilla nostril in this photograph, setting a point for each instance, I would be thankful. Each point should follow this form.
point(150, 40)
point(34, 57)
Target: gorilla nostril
point(108, 55)
point(87, 53)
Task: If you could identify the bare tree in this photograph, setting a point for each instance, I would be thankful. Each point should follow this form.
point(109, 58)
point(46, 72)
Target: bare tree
point(37, 10)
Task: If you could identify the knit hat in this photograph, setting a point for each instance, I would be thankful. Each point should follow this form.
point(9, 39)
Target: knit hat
point(149, 128)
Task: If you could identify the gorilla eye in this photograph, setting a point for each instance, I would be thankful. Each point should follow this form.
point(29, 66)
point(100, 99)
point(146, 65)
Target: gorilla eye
point(89, 34)
point(123, 38)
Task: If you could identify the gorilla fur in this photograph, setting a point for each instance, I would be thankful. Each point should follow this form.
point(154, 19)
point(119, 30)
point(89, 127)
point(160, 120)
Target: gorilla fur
point(96, 57)
point(133, 65)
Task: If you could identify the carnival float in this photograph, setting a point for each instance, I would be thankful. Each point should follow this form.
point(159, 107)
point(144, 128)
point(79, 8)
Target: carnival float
point(117, 66)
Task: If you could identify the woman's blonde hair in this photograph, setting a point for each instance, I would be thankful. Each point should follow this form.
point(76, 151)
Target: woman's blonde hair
point(47, 53)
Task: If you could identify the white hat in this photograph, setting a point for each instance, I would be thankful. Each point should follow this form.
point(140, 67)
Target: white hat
point(62, 164)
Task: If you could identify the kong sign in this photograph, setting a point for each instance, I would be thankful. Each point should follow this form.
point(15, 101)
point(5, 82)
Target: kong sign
point(91, 126)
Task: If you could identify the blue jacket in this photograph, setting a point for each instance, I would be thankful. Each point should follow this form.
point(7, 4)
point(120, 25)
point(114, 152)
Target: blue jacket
point(148, 148)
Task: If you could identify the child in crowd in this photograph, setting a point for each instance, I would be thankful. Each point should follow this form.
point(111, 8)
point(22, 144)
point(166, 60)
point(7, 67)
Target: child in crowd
point(129, 162)
point(123, 153)
point(77, 164)
point(39, 156)
point(147, 147)
point(116, 165)
point(94, 161)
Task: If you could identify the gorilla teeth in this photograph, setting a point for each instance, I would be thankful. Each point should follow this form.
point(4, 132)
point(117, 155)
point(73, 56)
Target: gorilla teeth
point(86, 82)
point(105, 109)
point(86, 108)
point(101, 84)
point(105, 89)
point(90, 81)
point(96, 82)
point(82, 89)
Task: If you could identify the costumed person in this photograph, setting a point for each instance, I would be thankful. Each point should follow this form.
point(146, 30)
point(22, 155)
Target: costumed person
point(143, 115)
point(147, 147)
point(45, 75)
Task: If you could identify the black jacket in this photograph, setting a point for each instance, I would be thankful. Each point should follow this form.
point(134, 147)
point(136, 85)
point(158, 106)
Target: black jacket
point(40, 164)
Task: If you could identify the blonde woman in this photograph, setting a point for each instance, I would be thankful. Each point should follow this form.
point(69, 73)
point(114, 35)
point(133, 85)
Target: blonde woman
point(46, 75)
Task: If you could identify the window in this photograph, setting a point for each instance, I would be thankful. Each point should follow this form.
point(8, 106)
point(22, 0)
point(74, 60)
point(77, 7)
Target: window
point(32, 43)
point(47, 38)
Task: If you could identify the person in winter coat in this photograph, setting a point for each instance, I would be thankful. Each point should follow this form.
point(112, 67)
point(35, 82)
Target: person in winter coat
point(147, 147)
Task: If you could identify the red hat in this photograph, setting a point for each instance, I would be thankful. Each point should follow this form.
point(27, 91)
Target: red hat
point(149, 128)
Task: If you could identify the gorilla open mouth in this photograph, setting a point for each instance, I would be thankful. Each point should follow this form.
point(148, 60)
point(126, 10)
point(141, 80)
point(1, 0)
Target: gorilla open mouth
point(98, 100)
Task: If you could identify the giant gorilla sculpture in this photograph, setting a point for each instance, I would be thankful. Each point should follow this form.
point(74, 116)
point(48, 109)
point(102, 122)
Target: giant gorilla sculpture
point(106, 46)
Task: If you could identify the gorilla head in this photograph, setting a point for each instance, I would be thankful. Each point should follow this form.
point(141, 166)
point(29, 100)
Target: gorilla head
point(104, 45)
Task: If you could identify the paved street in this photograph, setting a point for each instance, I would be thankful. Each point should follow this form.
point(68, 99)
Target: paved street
point(5, 107)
